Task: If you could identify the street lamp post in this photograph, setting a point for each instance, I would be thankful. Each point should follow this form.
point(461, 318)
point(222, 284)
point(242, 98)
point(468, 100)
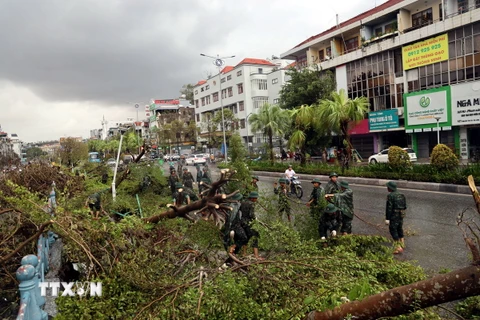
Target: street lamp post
point(219, 62)
point(138, 143)
point(248, 140)
point(438, 129)
point(114, 192)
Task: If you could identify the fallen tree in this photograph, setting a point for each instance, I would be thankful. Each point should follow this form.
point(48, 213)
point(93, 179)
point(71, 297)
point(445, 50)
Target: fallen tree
point(437, 290)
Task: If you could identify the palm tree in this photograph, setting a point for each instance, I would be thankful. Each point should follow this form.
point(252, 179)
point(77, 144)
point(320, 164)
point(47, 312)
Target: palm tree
point(336, 113)
point(304, 118)
point(270, 120)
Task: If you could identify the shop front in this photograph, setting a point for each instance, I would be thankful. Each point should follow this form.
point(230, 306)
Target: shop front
point(428, 117)
point(385, 125)
point(466, 117)
point(363, 142)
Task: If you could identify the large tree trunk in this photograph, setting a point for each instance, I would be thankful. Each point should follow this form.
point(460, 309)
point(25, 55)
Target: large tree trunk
point(440, 289)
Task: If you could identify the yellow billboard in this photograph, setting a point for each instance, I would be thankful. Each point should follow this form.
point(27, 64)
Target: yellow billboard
point(425, 52)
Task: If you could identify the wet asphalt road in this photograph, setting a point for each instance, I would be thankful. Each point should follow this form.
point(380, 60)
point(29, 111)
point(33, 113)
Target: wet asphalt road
point(431, 234)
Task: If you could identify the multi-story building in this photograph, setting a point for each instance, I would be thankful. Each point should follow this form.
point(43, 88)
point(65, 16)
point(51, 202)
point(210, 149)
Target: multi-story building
point(243, 89)
point(418, 63)
point(180, 136)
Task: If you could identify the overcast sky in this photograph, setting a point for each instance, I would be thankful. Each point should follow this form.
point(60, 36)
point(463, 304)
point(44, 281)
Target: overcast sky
point(66, 63)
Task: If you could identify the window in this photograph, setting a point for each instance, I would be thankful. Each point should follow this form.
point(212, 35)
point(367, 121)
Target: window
point(224, 93)
point(230, 91)
point(229, 77)
point(239, 73)
point(262, 84)
point(207, 87)
point(223, 80)
point(202, 89)
point(391, 27)
point(196, 91)
point(240, 88)
point(441, 11)
point(275, 101)
point(274, 80)
point(378, 31)
point(328, 53)
point(215, 97)
point(207, 99)
point(351, 44)
point(260, 70)
point(196, 103)
point(241, 106)
point(242, 123)
point(259, 101)
point(421, 18)
point(203, 101)
point(462, 6)
point(198, 117)
point(321, 55)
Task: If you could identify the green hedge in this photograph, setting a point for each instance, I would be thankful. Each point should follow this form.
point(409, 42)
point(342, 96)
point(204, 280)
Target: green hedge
point(419, 172)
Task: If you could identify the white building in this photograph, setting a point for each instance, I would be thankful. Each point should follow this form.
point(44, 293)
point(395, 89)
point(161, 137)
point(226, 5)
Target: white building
point(244, 89)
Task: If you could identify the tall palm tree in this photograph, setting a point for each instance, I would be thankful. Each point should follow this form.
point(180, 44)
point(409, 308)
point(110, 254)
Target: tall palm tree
point(270, 120)
point(304, 118)
point(336, 113)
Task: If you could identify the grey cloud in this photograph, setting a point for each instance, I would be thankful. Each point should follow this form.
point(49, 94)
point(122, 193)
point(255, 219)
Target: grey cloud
point(109, 51)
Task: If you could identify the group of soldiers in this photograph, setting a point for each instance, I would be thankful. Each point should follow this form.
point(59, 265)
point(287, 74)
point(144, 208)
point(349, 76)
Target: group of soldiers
point(181, 185)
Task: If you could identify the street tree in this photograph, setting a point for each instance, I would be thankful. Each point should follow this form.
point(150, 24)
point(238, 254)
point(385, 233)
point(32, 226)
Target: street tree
point(72, 152)
point(304, 120)
point(335, 114)
point(211, 128)
point(187, 90)
point(95, 145)
point(306, 86)
point(271, 120)
point(34, 152)
point(230, 121)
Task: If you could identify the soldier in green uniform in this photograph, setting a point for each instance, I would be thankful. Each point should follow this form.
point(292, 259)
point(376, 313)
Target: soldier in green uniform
point(344, 201)
point(172, 180)
point(331, 221)
point(394, 213)
point(332, 185)
point(199, 176)
point(203, 184)
point(234, 236)
point(94, 203)
point(187, 178)
point(316, 197)
point(255, 179)
point(206, 175)
point(180, 198)
point(283, 204)
point(247, 209)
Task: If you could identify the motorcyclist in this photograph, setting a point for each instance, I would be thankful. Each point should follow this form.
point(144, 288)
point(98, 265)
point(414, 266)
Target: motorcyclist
point(289, 173)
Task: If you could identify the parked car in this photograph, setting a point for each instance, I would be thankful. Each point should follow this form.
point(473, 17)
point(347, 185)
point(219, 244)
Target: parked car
point(196, 159)
point(382, 156)
point(111, 162)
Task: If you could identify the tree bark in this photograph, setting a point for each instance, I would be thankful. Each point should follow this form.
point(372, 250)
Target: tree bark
point(439, 289)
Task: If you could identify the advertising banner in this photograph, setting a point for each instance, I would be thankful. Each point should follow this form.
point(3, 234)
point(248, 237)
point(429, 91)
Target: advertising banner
point(425, 52)
point(422, 108)
point(466, 103)
point(381, 120)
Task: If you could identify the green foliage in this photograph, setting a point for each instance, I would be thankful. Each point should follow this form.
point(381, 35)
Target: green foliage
point(72, 152)
point(187, 90)
point(469, 308)
point(398, 158)
point(443, 158)
point(237, 153)
point(34, 152)
point(306, 86)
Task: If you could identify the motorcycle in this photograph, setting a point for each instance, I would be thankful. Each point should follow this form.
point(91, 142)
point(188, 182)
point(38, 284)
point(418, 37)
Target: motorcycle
point(296, 187)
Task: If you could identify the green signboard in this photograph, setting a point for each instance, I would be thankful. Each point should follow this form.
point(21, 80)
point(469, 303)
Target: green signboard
point(381, 120)
point(424, 108)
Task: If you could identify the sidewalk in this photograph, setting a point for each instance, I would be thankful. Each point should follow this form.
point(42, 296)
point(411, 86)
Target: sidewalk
point(402, 184)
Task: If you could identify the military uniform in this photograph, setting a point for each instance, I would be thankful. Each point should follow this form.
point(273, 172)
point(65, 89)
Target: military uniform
point(332, 186)
point(172, 179)
point(255, 179)
point(247, 209)
point(331, 221)
point(317, 195)
point(344, 201)
point(283, 204)
point(395, 211)
point(199, 176)
point(180, 198)
point(206, 175)
point(187, 179)
point(233, 225)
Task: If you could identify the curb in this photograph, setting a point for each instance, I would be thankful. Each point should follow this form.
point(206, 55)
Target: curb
point(403, 184)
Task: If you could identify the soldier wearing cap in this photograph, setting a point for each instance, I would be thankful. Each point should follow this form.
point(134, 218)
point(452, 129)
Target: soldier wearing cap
point(234, 236)
point(344, 201)
point(331, 221)
point(187, 178)
point(394, 213)
point(283, 204)
point(203, 185)
point(206, 175)
point(316, 197)
point(172, 180)
point(247, 208)
point(332, 186)
point(180, 198)
point(255, 179)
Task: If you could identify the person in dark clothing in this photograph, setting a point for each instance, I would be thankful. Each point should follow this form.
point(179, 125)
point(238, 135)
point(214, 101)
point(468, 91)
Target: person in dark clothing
point(172, 180)
point(332, 186)
point(331, 221)
point(180, 198)
point(187, 178)
point(394, 213)
point(255, 179)
point(247, 209)
point(94, 203)
point(234, 235)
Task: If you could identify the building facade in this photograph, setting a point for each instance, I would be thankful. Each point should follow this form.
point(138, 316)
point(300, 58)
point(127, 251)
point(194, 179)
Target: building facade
point(243, 89)
point(418, 63)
